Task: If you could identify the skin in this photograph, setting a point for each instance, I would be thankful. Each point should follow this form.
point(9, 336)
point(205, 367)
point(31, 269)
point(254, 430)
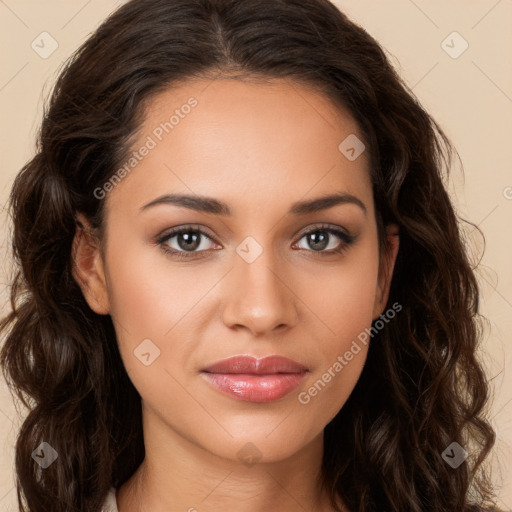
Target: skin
point(259, 148)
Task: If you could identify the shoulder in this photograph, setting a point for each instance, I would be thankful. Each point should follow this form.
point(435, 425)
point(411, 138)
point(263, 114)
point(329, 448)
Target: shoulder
point(110, 504)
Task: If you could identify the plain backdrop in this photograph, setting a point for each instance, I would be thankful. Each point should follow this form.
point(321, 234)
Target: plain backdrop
point(456, 56)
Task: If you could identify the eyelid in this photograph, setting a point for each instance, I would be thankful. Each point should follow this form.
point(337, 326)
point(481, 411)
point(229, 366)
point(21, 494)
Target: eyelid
point(168, 234)
point(322, 225)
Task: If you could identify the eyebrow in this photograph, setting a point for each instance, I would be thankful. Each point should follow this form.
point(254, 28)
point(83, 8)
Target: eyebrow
point(216, 207)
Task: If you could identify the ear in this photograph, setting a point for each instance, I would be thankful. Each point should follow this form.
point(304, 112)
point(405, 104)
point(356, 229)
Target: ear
point(386, 267)
point(88, 268)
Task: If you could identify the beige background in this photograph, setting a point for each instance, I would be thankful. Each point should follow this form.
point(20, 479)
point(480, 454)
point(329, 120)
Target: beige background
point(470, 96)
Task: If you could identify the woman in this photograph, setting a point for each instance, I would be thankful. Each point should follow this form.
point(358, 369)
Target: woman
point(242, 283)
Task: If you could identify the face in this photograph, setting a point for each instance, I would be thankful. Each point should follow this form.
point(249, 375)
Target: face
point(261, 270)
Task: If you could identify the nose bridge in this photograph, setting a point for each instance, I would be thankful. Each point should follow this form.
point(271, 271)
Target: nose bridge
point(258, 297)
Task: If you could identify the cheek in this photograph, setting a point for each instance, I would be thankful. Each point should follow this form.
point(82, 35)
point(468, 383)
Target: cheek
point(148, 293)
point(149, 300)
point(137, 297)
point(342, 296)
point(343, 300)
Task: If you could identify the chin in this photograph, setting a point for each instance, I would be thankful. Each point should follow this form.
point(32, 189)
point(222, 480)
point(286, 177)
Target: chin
point(268, 443)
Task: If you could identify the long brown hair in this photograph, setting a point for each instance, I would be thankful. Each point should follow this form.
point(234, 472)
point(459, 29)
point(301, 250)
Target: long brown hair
point(422, 387)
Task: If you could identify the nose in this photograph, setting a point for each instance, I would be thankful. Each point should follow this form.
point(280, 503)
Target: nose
point(259, 296)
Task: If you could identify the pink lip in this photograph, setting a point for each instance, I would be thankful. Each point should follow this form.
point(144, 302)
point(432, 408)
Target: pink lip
point(255, 380)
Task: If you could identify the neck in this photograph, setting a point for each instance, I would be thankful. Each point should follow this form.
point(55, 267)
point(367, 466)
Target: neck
point(179, 475)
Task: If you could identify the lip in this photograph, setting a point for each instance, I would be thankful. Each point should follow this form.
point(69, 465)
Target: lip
point(255, 380)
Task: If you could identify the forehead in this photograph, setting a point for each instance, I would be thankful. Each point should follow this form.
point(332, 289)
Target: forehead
point(250, 107)
point(245, 140)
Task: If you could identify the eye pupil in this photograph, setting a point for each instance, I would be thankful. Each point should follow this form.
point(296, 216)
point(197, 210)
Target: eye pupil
point(190, 239)
point(318, 240)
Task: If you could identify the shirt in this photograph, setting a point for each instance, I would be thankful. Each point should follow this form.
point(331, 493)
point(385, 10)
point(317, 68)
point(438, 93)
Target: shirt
point(110, 504)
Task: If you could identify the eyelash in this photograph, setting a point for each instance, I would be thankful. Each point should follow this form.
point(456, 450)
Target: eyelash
point(346, 238)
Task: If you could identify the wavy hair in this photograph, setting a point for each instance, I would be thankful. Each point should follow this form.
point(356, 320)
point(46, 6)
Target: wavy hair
point(422, 386)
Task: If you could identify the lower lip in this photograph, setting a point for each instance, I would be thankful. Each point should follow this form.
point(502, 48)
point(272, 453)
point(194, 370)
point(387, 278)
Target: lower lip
point(255, 388)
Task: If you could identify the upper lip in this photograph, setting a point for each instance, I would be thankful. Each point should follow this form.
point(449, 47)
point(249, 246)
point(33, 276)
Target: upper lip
point(251, 365)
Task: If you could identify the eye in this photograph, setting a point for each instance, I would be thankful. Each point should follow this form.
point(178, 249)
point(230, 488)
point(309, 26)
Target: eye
point(322, 239)
point(185, 241)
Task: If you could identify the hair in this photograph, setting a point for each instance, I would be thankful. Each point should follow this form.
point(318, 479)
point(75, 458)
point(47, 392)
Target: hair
point(422, 386)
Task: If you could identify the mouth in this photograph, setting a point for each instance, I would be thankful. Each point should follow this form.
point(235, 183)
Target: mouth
point(255, 380)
